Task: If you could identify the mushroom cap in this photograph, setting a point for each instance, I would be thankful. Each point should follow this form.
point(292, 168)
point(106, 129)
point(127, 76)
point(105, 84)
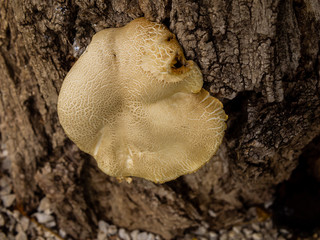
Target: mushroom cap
point(135, 104)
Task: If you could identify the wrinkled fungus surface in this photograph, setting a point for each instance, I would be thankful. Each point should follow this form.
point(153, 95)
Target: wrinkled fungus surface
point(137, 105)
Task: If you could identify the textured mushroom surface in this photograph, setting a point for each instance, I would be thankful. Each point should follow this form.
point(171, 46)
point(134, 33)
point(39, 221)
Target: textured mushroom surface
point(135, 104)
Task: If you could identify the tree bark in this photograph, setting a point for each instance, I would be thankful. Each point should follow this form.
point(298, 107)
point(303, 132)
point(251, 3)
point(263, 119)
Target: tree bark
point(260, 58)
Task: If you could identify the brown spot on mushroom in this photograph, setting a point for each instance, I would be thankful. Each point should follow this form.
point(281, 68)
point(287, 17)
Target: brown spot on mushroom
point(142, 113)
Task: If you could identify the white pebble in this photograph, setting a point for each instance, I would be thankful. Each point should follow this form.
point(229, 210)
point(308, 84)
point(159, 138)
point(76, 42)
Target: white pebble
point(6, 164)
point(102, 236)
point(4, 181)
point(19, 228)
point(134, 234)
point(255, 227)
point(16, 214)
point(103, 226)
point(213, 236)
point(237, 229)
point(268, 204)
point(51, 224)
point(257, 236)
point(247, 232)
point(284, 231)
point(5, 153)
point(150, 236)
point(142, 236)
point(268, 225)
point(212, 213)
point(232, 235)
point(157, 237)
point(123, 234)
point(45, 206)
point(6, 190)
point(205, 224)
point(224, 236)
point(21, 236)
point(43, 218)
point(62, 233)
point(8, 200)
point(200, 231)
point(47, 235)
point(112, 230)
point(24, 221)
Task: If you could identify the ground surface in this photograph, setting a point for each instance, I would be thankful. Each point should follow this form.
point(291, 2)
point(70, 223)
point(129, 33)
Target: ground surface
point(16, 224)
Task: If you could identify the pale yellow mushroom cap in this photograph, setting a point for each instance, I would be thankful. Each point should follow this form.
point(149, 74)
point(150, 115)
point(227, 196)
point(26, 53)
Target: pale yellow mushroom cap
point(135, 104)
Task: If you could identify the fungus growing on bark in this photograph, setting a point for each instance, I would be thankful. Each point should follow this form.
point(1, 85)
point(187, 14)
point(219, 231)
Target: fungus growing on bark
point(135, 104)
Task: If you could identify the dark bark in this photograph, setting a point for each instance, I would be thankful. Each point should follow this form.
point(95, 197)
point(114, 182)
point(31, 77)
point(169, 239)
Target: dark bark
point(260, 58)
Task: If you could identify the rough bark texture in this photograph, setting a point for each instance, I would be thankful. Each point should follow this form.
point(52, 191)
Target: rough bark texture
point(261, 58)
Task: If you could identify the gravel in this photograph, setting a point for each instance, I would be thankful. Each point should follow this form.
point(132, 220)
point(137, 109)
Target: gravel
point(41, 225)
point(134, 234)
point(123, 234)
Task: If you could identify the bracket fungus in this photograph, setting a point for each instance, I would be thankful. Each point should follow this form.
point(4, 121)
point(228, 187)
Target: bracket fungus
point(135, 104)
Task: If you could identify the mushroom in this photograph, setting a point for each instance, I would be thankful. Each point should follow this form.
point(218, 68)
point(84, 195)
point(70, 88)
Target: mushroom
point(135, 104)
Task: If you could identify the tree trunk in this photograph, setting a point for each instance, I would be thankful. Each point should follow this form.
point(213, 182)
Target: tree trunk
point(260, 58)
